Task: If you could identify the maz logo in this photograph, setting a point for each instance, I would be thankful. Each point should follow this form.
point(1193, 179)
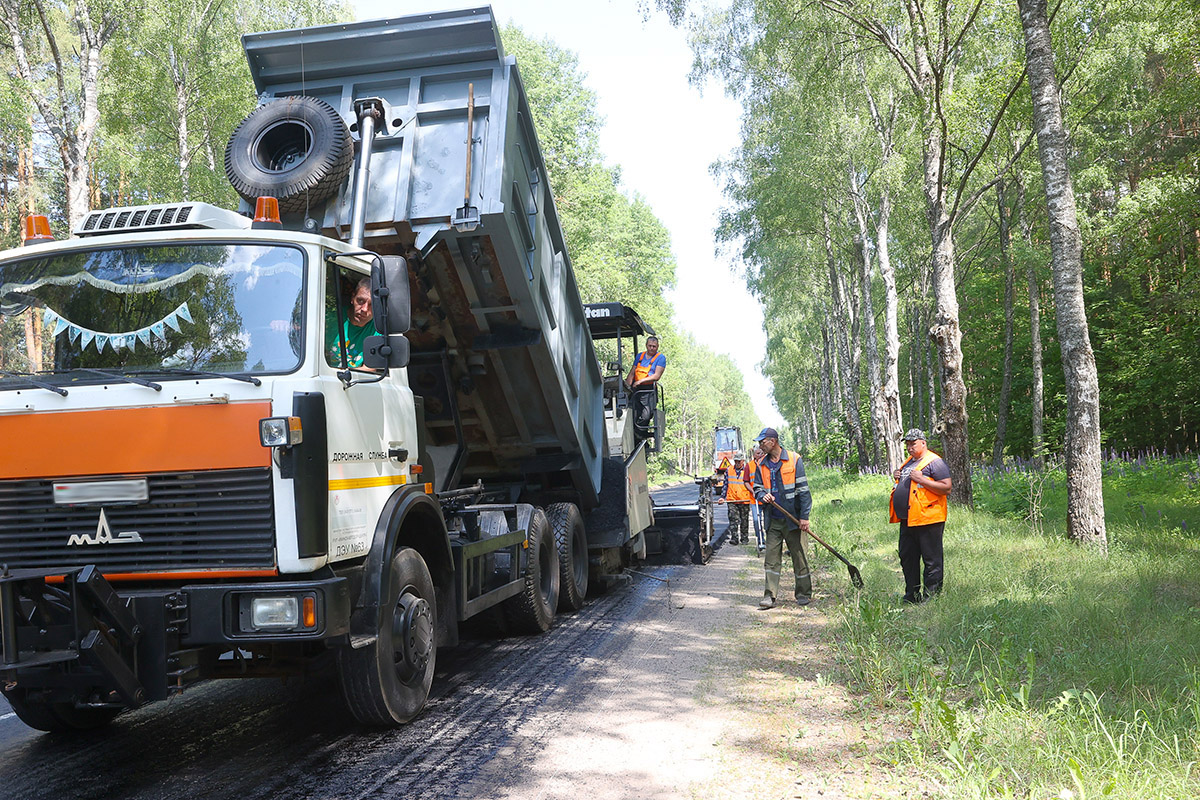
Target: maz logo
point(104, 535)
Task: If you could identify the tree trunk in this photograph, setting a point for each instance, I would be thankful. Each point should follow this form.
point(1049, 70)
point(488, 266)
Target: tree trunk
point(842, 335)
point(1006, 380)
point(182, 141)
point(826, 372)
point(1085, 500)
point(945, 331)
point(874, 384)
point(893, 420)
point(1037, 387)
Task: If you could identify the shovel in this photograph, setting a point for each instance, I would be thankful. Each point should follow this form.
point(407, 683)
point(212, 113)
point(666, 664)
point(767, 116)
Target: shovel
point(855, 575)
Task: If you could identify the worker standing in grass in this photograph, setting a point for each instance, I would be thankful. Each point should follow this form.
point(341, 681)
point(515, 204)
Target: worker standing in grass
point(738, 493)
point(780, 480)
point(919, 504)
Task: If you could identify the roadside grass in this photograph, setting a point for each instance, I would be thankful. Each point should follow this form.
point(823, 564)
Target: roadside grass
point(1043, 670)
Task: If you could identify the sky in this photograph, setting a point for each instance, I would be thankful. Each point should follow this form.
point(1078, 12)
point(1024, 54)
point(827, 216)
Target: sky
point(639, 70)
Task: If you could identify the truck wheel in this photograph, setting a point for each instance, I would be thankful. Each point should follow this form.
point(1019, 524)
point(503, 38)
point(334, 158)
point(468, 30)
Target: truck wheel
point(387, 683)
point(57, 717)
point(571, 538)
point(532, 611)
point(296, 149)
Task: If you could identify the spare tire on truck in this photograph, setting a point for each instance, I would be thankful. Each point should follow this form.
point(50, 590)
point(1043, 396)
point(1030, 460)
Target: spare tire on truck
point(296, 149)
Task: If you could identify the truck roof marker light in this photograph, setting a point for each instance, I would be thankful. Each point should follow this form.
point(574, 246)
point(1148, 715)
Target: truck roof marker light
point(266, 214)
point(36, 230)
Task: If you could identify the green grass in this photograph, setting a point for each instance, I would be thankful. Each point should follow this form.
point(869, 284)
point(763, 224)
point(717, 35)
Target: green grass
point(1043, 668)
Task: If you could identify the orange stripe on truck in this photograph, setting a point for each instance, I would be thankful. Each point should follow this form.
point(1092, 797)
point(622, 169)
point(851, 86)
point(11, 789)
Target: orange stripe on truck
point(124, 441)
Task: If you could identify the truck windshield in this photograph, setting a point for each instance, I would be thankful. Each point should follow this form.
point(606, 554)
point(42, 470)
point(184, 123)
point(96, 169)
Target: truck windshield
point(727, 439)
point(226, 308)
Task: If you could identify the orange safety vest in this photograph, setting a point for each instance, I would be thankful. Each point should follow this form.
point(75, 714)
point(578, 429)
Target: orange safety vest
point(787, 472)
point(643, 366)
point(739, 485)
point(924, 507)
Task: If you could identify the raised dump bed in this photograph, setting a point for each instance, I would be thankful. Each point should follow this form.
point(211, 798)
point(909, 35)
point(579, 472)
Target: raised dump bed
point(501, 352)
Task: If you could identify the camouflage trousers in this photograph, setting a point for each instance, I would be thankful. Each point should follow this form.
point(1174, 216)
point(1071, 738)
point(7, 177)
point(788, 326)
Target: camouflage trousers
point(739, 522)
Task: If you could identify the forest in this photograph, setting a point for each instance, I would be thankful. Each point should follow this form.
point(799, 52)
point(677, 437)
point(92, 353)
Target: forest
point(892, 212)
point(106, 104)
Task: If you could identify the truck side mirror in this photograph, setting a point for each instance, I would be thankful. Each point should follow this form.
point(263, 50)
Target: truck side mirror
point(392, 305)
point(390, 298)
point(385, 352)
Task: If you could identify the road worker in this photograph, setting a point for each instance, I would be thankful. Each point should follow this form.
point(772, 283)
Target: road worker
point(918, 503)
point(780, 480)
point(739, 495)
point(643, 377)
point(760, 526)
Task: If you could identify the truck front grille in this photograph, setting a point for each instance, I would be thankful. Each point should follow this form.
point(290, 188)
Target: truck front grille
point(220, 519)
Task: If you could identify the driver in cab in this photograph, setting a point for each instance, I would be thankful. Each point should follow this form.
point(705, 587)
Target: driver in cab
point(357, 325)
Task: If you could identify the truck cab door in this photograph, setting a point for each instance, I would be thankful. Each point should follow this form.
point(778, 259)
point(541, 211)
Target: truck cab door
point(371, 419)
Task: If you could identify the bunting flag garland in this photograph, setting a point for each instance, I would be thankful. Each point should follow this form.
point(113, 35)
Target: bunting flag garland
point(124, 339)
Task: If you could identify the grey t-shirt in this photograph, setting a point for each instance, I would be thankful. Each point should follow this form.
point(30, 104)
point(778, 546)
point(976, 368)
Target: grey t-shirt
point(936, 470)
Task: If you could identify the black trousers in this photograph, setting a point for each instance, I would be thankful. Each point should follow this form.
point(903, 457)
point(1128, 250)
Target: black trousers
point(921, 543)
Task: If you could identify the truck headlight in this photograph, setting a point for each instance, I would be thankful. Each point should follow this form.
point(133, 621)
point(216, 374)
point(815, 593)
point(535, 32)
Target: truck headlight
point(274, 612)
point(280, 431)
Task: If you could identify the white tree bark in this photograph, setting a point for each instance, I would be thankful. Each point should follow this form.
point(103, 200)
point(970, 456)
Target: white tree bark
point(1037, 387)
point(863, 242)
point(1085, 500)
point(893, 422)
point(842, 336)
point(1006, 378)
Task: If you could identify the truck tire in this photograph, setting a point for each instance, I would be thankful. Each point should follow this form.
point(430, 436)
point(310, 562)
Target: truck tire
point(387, 682)
point(571, 538)
point(57, 717)
point(296, 149)
point(532, 611)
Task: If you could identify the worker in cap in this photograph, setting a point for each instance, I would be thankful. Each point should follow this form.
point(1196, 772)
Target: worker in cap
point(918, 503)
point(780, 483)
point(738, 493)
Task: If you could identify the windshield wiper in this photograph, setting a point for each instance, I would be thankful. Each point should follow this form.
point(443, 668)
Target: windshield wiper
point(119, 376)
point(34, 381)
point(199, 373)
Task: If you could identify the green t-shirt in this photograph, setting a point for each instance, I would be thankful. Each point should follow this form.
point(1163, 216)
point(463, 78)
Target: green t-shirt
point(354, 336)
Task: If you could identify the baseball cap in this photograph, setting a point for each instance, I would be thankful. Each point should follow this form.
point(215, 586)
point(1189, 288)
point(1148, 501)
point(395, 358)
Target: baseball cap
point(913, 434)
point(767, 433)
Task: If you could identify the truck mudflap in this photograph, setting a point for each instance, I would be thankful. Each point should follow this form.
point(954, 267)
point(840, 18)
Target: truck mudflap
point(76, 625)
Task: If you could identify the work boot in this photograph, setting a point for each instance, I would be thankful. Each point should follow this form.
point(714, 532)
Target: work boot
point(766, 603)
point(803, 599)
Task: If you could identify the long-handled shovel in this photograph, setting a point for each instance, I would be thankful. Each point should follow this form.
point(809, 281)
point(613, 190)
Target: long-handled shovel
point(855, 575)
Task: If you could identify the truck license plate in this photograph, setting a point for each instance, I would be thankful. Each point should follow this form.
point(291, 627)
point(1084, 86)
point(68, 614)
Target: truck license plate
point(101, 492)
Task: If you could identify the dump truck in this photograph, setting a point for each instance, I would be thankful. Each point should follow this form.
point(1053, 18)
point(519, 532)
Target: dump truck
point(354, 412)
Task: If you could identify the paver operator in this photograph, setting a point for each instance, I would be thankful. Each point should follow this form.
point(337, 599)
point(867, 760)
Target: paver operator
point(647, 368)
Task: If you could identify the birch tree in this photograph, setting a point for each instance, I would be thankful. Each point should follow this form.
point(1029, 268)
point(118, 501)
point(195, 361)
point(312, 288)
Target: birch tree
point(1085, 500)
point(62, 73)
